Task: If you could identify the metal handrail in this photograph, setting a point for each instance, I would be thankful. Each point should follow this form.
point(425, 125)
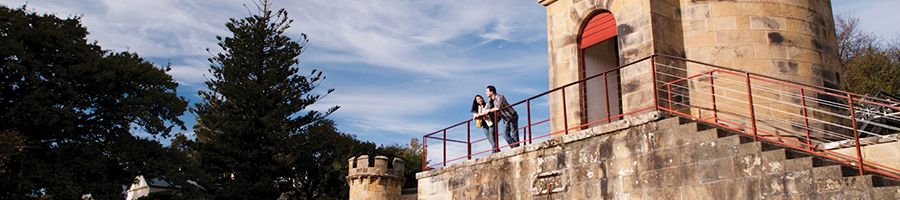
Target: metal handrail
point(662, 93)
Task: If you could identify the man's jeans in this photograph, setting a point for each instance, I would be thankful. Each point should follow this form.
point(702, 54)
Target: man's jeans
point(489, 133)
point(511, 131)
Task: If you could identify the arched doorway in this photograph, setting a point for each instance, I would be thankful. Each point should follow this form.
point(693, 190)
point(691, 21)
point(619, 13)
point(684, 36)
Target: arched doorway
point(599, 53)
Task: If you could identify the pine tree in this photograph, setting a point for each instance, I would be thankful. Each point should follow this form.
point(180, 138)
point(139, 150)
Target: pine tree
point(252, 118)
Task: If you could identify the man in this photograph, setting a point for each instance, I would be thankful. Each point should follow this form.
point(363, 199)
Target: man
point(507, 114)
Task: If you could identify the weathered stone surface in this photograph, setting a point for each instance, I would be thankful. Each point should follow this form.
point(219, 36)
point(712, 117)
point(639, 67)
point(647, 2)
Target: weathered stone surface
point(588, 167)
point(378, 181)
point(633, 159)
point(886, 193)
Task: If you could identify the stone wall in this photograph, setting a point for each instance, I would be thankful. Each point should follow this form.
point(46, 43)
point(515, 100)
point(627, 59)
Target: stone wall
point(375, 180)
point(641, 158)
point(565, 19)
point(790, 40)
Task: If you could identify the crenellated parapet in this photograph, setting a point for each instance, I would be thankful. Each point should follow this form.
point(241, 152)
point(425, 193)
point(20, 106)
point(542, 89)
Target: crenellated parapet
point(375, 178)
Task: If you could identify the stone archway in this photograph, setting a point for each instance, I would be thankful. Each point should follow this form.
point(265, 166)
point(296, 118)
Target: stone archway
point(599, 53)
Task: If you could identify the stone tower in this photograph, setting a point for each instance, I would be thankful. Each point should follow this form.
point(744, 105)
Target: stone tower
point(789, 40)
point(378, 180)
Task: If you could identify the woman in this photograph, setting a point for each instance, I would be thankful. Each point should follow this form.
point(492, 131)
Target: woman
point(485, 120)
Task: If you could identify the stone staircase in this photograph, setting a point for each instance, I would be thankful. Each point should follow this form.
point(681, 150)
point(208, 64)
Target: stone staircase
point(783, 173)
point(645, 157)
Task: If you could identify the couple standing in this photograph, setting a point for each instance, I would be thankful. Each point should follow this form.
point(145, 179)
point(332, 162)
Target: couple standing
point(483, 114)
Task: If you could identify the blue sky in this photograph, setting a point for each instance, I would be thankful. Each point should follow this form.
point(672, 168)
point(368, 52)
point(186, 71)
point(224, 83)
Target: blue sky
point(400, 68)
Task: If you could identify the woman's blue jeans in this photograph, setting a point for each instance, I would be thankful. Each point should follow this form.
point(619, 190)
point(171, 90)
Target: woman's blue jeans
point(491, 137)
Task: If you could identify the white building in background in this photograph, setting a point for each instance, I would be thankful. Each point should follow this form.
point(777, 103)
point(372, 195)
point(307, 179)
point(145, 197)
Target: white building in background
point(143, 187)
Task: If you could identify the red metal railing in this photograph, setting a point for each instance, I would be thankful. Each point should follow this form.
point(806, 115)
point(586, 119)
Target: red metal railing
point(795, 115)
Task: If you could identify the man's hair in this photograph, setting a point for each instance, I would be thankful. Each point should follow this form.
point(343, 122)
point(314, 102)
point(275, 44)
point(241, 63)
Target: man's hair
point(492, 88)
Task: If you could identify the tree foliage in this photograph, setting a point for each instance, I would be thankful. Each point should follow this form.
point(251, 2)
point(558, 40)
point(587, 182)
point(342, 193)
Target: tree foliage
point(412, 159)
point(870, 67)
point(68, 110)
point(253, 119)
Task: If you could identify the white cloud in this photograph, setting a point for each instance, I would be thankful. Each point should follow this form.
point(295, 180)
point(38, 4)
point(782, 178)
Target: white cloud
point(379, 112)
point(440, 47)
point(190, 72)
point(419, 36)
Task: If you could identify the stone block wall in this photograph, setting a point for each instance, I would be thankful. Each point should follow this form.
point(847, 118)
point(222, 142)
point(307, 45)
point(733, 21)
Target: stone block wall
point(790, 40)
point(784, 39)
point(376, 178)
point(635, 41)
point(641, 158)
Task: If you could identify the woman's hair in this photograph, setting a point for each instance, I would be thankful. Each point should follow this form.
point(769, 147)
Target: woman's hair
point(475, 105)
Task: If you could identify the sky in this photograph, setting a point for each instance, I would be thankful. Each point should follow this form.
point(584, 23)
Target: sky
point(400, 68)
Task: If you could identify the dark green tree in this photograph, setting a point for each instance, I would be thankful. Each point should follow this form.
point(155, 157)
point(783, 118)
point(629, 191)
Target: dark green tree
point(325, 151)
point(874, 71)
point(68, 110)
point(870, 67)
point(252, 119)
point(411, 155)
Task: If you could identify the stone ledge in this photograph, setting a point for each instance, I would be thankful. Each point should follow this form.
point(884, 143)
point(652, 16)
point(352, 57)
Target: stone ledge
point(871, 140)
point(627, 122)
point(376, 176)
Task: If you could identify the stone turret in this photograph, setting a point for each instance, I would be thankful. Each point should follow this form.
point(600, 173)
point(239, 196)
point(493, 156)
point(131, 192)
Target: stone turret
point(381, 179)
point(788, 40)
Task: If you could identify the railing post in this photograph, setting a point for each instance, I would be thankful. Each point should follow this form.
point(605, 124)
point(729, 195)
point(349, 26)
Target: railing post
point(606, 93)
point(530, 126)
point(752, 112)
point(445, 147)
point(712, 90)
point(653, 81)
point(669, 92)
point(469, 139)
point(565, 114)
point(424, 152)
point(855, 132)
point(805, 117)
point(496, 131)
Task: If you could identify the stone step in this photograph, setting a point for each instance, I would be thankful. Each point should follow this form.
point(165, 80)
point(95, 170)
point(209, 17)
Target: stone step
point(886, 193)
point(733, 140)
point(669, 122)
point(689, 127)
point(822, 162)
point(705, 136)
point(681, 135)
point(789, 165)
point(881, 181)
point(725, 148)
point(746, 149)
point(831, 179)
point(769, 146)
point(843, 184)
point(791, 154)
point(774, 155)
point(834, 171)
point(817, 161)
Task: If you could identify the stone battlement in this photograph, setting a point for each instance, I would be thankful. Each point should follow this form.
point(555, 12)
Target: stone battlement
point(378, 178)
point(360, 167)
